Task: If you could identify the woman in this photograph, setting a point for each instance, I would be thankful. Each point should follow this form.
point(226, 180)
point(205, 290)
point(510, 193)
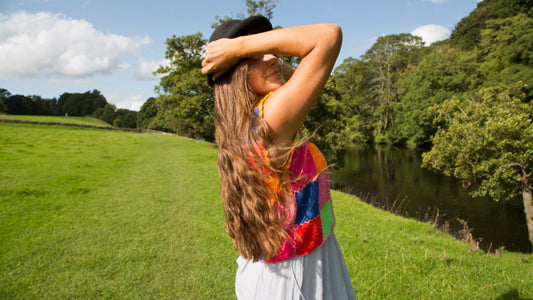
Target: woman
point(274, 183)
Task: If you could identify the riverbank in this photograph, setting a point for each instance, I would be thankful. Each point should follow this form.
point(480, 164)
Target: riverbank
point(92, 213)
point(393, 178)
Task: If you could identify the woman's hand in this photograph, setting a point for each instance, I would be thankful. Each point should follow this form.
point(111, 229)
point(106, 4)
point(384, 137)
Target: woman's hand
point(220, 56)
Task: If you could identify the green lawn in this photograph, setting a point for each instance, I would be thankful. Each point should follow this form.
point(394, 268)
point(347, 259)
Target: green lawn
point(87, 213)
point(58, 119)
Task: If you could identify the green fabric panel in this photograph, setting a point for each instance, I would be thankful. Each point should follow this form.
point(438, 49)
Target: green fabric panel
point(326, 214)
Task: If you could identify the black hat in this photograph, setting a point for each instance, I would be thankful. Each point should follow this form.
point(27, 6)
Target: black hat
point(235, 28)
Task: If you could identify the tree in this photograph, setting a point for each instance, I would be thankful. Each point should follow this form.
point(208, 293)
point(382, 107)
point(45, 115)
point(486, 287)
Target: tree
point(146, 114)
point(262, 7)
point(326, 120)
point(253, 8)
point(352, 82)
point(4, 95)
point(125, 118)
point(19, 105)
point(78, 104)
point(441, 73)
point(130, 119)
point(342, 112)
point(506, 49)
point(185, 102)
point(467, 32)
point(487, 142)
point(3, 107)
point(387, 59)
point(108, 113)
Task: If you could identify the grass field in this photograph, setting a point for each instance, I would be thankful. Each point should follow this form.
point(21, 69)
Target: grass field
point(87, 213)
point(58, 119)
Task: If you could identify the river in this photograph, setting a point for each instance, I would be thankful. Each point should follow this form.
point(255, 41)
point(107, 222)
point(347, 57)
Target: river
point(391, 177)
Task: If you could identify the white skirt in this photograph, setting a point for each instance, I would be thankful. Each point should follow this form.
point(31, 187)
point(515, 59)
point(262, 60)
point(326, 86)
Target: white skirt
point(322, 274)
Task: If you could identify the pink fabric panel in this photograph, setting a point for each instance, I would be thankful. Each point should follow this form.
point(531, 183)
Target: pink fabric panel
point(323, 189)
point(302, 168)
point(287, 251)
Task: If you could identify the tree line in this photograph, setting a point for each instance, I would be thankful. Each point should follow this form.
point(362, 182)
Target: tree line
point(91, 103)
point(466, 100)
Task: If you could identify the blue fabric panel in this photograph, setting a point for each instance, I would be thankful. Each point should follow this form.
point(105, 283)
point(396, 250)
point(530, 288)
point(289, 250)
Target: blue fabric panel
point(307, 202)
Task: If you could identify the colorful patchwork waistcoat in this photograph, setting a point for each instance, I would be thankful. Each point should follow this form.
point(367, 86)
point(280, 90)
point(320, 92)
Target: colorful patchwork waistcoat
point(310, 189)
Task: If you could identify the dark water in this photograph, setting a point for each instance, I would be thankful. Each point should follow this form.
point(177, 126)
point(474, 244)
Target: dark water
point(391, 177)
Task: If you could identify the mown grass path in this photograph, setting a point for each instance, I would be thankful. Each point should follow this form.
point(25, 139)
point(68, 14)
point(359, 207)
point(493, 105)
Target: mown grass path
point(87, 213)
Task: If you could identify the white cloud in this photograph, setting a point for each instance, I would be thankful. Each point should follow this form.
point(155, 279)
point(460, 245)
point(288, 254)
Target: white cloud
point(145, 69)
point(44, 45)
point(432, 33)
point(131, 101)
point(436, 1)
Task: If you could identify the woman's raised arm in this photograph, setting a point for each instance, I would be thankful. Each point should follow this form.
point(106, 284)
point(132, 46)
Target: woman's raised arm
point(318, 45)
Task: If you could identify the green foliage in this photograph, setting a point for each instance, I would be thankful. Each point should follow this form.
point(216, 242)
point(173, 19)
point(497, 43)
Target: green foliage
point(125, 118)
point(186, 102)
point(487, 138)
point(507, 51)
point(367, 91)
point(78, 104)
point(106, 113)
point(69, 104)
point(4, 94)
point(121, 117)
point(19, 105)
point(441, 73)
point(339, 115)
point(467, 33)
point(325, 122)
point(353, 86)
point(261, 7)
point(253, 8)
point(3, 107)
point(387, 60)
point(147, 113)
point(28, 105)
point(384, 96)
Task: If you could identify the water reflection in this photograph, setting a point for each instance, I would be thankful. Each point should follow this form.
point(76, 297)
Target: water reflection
point(390, 176)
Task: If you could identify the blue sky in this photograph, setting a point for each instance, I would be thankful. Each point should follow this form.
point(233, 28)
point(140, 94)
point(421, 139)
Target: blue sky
point(48, 47)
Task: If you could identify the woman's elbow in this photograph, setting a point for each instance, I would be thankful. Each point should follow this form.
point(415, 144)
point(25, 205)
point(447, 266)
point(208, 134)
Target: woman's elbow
point(334, 34)
point(333, 39)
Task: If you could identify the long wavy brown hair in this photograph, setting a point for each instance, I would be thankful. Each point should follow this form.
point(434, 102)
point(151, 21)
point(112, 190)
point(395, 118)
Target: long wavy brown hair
point(253, 171)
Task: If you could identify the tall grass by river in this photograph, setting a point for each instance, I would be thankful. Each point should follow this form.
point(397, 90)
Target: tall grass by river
point(87, 213)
